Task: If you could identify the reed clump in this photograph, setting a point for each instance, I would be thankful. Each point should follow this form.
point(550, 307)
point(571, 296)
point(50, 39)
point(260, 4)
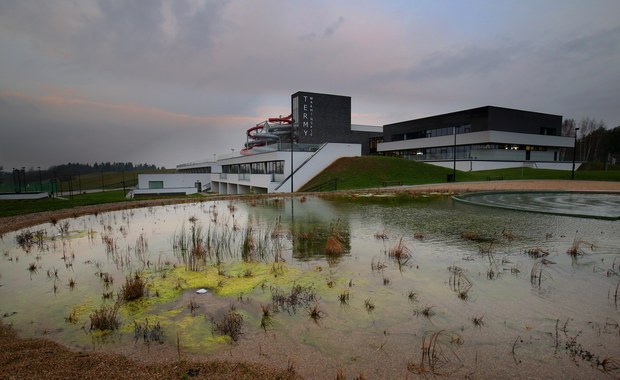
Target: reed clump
point(298, 296)
point(400, 252)
point(576, 249)
point(134, 288)
point(230, 325)
point(105, 318)
point(315, 313)
point(437, 354)
point(335, 244)
point(149, 333)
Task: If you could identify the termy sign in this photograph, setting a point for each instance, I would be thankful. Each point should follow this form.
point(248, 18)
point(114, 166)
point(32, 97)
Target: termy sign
point(307, 117)
point(321, 118)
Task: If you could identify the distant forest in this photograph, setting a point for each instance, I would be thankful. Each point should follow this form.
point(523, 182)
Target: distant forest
point(76, 168)
point(595, 142)
point(70, 170)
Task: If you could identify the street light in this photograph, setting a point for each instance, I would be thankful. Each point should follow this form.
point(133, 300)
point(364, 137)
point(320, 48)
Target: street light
point(40, 181)
point(572, 176)
point(454, 154)
point(292, 137)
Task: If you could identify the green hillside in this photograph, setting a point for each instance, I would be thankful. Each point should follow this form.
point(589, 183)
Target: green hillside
point(374, 171)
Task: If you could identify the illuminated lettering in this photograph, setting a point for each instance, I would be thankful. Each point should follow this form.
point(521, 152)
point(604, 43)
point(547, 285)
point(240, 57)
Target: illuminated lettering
point(307, 115)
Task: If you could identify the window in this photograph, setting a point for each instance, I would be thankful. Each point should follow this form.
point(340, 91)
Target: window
point(156, 184)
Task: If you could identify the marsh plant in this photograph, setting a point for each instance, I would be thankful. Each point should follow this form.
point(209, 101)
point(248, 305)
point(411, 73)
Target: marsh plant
point(105, 318)
point(459, 282)
point(538, 273)
point(149, 333)
point(230, 325)
point(400, 252)
point(134, 287)
point(248, 247)
point(25, 240)
point(427, 311)
point(369, 305)
point(298, 296)
point(315, 313)
point(576, 248)
point(335, 243)
point(267, 317)
point(344, 297)
point(437, 354)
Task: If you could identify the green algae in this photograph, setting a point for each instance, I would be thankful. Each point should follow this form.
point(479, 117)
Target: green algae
point(81, 310)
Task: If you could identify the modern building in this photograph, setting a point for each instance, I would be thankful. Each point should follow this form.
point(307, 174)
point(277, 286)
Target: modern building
point(281, 154)
point(479, 139)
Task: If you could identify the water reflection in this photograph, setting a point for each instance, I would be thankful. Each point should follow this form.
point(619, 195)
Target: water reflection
point(425, 265)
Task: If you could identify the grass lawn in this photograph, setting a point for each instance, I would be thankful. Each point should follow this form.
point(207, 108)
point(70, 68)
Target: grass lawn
point(372, 171)
point(17, 207)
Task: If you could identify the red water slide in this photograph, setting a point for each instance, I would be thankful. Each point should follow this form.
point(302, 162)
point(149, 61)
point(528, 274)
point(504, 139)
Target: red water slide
point(262, 133)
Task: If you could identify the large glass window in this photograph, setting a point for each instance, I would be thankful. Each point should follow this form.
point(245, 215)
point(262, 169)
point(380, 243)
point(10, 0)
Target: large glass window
point(156, 184)
point(263, 167)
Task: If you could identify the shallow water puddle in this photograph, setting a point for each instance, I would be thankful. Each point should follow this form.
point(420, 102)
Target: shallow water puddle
point(386, 287)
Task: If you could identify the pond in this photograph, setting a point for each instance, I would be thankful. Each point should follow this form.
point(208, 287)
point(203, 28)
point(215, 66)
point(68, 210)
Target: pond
point(580, 204)
point(384, 286)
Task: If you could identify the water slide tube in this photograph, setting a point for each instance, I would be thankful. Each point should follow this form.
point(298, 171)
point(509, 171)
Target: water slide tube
point(266, 132)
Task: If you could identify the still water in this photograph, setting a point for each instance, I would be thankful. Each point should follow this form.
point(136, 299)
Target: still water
point(414, 286)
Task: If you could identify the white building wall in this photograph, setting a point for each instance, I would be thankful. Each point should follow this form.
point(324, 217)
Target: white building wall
point(478, 165)
point(173, 183)
point(317, 163)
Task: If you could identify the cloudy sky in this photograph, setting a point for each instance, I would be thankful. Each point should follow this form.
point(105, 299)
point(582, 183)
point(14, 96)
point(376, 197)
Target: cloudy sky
point(172, 81)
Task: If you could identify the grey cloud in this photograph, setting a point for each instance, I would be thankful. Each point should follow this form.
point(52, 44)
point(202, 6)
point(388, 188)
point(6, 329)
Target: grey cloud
point(593, 46)
point(329, 31)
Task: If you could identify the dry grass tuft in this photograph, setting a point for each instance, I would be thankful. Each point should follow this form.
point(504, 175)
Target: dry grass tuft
point(134, 288)
point(437, 354)
point(230, 325)
point(105, 318)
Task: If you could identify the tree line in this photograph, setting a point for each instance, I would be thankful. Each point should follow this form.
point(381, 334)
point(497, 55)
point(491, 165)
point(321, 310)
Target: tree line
point(71, 170)
point(595, 142)
point(77, 168)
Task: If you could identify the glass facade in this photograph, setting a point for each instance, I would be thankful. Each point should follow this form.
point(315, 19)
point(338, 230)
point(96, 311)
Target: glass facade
point(464, 152)
point(435, 132)
point(156, 184)
point(263, 167)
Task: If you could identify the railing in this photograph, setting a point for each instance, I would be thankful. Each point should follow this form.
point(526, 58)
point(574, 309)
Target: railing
point(330, 185)
point(223, 175)
point(391, 183)
point(244, 176)
point(302, 164)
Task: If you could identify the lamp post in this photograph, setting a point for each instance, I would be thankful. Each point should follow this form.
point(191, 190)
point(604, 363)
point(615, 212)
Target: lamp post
point(292, 137)
point(24, 178)
point(454, 158)
point(40, 181)
point(572, 175)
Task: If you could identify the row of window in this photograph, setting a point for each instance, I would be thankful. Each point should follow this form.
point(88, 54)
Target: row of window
point(436, 132)
point(205, 169)
point(462, 151)
point(264, 167)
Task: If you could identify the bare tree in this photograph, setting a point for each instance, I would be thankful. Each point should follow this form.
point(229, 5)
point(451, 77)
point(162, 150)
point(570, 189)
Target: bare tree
point(568, 130)
point(590, 141)
point(568, 127)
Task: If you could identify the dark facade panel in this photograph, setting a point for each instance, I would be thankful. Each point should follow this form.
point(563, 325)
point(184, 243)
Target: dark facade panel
point(321, 118)
point(478, 119)
point(510, 120)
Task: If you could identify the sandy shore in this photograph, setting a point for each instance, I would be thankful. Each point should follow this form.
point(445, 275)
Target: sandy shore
point(39, 358)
